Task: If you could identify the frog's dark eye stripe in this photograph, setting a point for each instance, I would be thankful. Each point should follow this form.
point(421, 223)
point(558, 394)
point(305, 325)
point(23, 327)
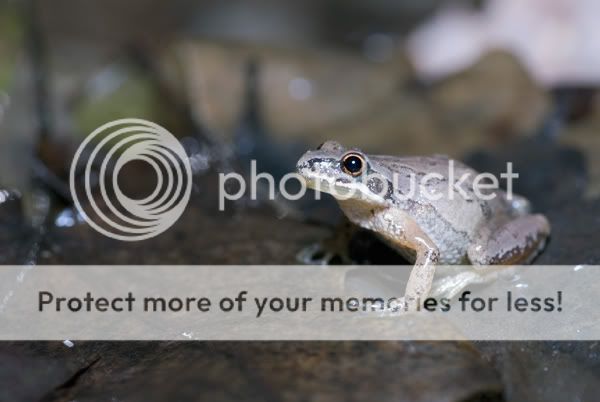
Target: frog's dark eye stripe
point(320, 146)
point(353, 164)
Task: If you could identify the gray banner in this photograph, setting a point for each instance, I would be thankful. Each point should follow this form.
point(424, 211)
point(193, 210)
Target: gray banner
point(295, 303)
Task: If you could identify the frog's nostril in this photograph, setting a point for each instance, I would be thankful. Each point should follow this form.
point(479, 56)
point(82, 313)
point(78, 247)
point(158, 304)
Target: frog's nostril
point(301, 165)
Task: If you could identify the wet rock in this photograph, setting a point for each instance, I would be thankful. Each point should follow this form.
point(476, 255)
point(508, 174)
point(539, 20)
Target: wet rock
point(550, 175)
point(199, 237)
point(258, 371)
point(15, 233)
point(574, 234)
point(11, 209)
point(29, 372)
point(545, 371)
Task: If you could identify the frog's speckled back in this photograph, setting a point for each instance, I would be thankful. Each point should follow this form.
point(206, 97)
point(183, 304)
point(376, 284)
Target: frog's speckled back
point(425, 186)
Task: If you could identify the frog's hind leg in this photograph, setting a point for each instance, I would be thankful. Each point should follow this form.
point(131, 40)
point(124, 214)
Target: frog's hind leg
point(516, 241)
point(507, 241)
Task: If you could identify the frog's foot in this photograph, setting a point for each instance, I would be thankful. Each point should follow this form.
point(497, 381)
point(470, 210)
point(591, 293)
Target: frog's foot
point(402, 306)
point(406, 305)
point(517, 241)
point(331, 251)
point(383, 288)
point(451, 285)
point(387, 308)
point(319, 254)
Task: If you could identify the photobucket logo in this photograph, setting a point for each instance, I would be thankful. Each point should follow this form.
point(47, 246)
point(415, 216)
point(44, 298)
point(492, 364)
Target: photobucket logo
point(94, 176)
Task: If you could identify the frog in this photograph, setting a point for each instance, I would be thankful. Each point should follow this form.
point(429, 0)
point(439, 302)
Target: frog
point(427, 209)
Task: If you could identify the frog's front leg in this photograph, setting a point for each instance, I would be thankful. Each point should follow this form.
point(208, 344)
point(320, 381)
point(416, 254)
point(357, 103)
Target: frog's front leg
point(409, 235)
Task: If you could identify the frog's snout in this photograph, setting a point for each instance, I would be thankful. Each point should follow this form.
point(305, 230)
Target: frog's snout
point(303, 164)
point(306, 169)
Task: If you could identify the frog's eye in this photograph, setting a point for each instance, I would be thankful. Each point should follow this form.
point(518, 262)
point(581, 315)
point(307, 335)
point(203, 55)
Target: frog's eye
point(353, 164)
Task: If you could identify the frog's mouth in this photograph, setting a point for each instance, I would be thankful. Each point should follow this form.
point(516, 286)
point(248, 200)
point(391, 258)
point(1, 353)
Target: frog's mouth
point(318, 183)
point(326, 185)
point(339, 189)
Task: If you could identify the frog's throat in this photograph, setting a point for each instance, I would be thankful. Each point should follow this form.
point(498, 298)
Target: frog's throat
point(360, 212)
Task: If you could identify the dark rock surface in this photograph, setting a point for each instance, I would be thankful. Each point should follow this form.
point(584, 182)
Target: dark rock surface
point(253, 371)
point(545, 371)
point(15, 237)
point(251, 237)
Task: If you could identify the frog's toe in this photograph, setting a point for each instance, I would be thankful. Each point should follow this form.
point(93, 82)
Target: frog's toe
point(317, 254)
point(396, 308)
point(451, 285)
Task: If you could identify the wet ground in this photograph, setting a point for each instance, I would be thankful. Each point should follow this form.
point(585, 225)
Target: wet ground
point(551, 138)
